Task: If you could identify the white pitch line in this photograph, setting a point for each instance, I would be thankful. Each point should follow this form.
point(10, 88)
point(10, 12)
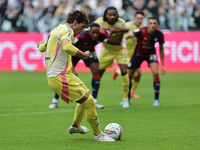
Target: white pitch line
point(72, 109)
point(35, 113)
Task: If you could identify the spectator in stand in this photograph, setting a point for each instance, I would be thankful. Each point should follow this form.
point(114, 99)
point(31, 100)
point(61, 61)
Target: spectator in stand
point(12, 14)
point(63, 8)
point(101, 7)
point(139, 5)
point(164, 4)
point(50, 9)
point(152, 6)
point(32, 12)
point(197, 18)
point(163, 19)
point(3, 6)
point(147, 14)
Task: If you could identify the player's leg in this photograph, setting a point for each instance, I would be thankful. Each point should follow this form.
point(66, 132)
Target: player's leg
point(87, 105)
point(156, 82)
point(54, 102)
point(135, 82)
point(130, 72)
point(77, 91)
point(94, 67)
point(122, 61)
point(133, 67)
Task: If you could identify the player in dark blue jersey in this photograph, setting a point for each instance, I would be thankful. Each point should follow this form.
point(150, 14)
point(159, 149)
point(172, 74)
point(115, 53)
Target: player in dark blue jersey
point(87, 40)
point(145, 51)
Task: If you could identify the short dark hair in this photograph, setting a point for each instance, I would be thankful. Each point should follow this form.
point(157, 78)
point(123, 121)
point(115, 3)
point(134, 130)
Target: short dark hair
point(139, 12)
point(153, 18)
point(105, 12)
point(94, 25)
point(78, 15)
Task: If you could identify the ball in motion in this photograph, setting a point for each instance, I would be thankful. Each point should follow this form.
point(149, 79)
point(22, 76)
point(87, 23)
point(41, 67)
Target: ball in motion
point(114, 131)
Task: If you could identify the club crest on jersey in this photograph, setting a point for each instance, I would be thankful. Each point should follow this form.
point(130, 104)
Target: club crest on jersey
point(69, 35)
point(155, 39)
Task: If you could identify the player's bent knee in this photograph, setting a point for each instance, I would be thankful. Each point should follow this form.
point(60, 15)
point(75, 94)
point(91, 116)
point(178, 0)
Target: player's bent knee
point(89, 103)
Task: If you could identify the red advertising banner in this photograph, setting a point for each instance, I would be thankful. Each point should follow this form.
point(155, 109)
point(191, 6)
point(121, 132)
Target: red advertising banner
point(18, 52)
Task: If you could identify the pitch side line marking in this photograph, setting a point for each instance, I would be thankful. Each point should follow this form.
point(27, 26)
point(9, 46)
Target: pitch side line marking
point(72, 109)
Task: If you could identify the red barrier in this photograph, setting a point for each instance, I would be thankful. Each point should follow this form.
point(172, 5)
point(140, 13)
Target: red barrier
point(18, 52)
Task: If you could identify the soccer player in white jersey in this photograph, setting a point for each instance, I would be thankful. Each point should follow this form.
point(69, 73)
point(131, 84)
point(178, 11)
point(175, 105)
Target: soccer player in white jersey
point(58, 49)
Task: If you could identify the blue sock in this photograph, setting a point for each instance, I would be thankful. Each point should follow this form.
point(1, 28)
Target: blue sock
point(156, 89)
point(56, 96)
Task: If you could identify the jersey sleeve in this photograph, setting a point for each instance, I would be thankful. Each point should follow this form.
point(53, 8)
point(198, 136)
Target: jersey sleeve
point(106, 32)
point(161, 39)
point(137, 32)
point(66, 34)
point(77, 40)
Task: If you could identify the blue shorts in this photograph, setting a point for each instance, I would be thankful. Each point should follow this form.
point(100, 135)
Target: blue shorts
point(91, 59)
point(136, 61)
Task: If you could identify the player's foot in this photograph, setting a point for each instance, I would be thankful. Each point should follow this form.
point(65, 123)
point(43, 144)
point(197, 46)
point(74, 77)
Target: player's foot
point(134, 95)
point(156, 102)
point(122, 102)
point(81, 130)
point(53, 105)
point(115, 74)
point(99, 106)
point(125, 103)
point(103, 138)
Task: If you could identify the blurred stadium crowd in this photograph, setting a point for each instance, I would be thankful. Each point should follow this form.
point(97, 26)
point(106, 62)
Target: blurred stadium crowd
point(43, 15)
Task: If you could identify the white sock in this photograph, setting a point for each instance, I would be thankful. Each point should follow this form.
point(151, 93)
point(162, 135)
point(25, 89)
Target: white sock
point(125, 99)
point(95, 100)
point(54, 100)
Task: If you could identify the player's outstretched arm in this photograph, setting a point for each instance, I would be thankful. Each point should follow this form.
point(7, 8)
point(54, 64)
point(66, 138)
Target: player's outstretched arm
point(116, 41)
point(119, 29)
point(129, 35)
point(163, 71)
point(72, 50)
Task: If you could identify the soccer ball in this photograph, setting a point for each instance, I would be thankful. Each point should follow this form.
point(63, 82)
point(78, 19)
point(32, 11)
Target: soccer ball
point(114, 131)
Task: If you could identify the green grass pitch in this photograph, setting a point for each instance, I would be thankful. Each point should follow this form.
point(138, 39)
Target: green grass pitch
point(26, 123)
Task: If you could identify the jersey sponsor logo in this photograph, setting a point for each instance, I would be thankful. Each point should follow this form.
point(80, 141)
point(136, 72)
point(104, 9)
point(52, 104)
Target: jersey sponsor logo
point(47, 58)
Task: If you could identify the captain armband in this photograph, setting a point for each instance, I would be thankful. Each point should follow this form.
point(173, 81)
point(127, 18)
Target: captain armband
point(70, 49)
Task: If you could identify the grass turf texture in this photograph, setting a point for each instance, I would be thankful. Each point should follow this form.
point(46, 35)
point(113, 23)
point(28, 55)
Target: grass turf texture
point(27, 123)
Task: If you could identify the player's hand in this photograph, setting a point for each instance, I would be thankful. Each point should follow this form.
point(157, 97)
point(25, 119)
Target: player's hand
point(87, 54)
point(163, 71)
point(40, 42)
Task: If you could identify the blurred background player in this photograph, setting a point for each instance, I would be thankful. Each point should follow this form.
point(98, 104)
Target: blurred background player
point(130, 46)
point(145, 50)
point(110, 52)
point(58, 50)
point(87, 40)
